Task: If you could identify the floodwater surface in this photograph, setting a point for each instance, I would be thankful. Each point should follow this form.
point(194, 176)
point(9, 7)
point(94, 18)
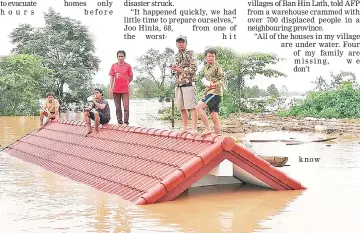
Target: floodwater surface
point(35, 200)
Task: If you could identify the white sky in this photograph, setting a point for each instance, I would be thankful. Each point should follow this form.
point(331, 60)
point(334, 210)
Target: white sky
point(107, 32)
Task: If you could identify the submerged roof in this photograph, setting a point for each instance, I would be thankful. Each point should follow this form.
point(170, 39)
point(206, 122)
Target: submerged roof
point(142, 165)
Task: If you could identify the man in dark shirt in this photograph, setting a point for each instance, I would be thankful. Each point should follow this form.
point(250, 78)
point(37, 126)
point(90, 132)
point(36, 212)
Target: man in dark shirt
point(99, 112)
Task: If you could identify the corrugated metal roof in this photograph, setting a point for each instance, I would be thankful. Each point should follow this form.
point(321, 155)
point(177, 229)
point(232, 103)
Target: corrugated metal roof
point(141, 165)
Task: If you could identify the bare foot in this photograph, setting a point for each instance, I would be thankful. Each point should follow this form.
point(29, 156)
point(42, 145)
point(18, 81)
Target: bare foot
point(183, 131)
point(89, 132)
point(206, 132)
point(194, 131)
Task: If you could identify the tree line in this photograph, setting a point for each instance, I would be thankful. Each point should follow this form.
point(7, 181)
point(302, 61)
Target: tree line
point(61, 55)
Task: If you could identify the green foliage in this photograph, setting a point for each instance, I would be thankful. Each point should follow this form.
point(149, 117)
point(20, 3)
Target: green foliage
point(273, 91)
point(237, 68)
point(20, 77)
point(166, 114)
point(155, 79)
point(342, 102)
point(65, 47)
point(254, 92)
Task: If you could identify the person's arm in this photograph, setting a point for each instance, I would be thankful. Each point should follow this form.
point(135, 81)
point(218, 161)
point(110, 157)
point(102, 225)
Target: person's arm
point(220, 78)
point(111, 81)
point(100, 105)
point(56, 108)
point(43, 107)
point(130, 74)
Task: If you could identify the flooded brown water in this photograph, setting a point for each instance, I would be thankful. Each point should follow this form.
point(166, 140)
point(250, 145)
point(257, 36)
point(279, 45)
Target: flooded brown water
point(35, 200)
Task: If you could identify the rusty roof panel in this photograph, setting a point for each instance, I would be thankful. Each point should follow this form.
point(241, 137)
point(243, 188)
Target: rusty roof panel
point(141, 165)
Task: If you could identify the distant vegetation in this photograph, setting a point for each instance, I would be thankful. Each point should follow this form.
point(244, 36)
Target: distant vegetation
point(21, 77)
point(60, 56)
point(339, 99)
point(52, 58)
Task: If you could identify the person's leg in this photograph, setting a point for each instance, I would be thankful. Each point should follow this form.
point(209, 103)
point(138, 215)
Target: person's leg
point(202, 113)
point(216, 122)
point(102, 119)
point(87, 120)
point(214, 109)
point(42, 115)
point(118, 107)
point(97, 121)
point(180, 105)
point(190, 102)
point(125, 99)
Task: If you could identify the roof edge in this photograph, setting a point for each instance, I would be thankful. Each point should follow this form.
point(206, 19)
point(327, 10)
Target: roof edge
point(151, 131)
point(265, 167)
point(173, 184)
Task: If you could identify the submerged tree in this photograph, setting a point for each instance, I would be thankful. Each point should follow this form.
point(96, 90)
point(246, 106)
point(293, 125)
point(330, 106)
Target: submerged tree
point(65, 46)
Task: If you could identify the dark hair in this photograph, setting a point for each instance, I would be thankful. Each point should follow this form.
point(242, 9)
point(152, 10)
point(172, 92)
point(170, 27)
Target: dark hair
point(100, 90)
point(50, 94)
point(121, 51)
point(211, 51)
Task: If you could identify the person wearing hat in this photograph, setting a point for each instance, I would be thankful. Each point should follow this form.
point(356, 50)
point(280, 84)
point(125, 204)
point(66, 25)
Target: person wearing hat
point(185, 69)
point(98, 112)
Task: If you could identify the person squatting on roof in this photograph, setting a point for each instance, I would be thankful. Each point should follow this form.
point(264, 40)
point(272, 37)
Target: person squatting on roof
point(121, 74)
point(50, 109)
point(98, 112)
point(185, 91)
point(213, 80)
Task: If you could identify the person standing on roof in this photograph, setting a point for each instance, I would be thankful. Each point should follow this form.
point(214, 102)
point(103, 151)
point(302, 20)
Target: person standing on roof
point(185, 69)
point(121, 74)
point(99, 111)
point(213, 81)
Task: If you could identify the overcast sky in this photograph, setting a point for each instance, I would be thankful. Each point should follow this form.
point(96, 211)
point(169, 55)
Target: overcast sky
point(107, 32)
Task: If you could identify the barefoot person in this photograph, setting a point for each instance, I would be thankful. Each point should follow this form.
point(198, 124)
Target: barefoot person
point(185, 91)
point(50, 109)
point(213, 80)
point(99, 112)
point(121, 75)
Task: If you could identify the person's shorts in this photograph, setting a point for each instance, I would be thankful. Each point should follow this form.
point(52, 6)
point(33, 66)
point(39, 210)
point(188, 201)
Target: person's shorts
point(212, 102)
point(103, 119)
point(186, 97)
point(52, 115)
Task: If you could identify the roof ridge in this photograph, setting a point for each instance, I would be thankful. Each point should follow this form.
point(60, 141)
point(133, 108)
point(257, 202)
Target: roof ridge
point(153, 131)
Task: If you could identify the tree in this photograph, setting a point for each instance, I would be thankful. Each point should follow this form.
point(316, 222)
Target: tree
point(65, 47)
point(336, 81)
point(155, 66)
point(321, 84)
point(284, 90)
point(273, 91)
point(340, 77)
point(254, 92)
point(20, 76)
point(145, 88)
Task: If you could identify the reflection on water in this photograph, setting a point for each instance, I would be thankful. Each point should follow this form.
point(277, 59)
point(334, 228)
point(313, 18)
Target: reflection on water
point(35, 200)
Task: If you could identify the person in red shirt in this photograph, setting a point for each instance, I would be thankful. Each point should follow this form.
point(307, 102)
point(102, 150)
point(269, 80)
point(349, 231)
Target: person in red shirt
point(121, 75)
